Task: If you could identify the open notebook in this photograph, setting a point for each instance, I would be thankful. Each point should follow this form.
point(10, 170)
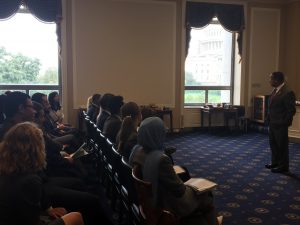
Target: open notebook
point(201, 184)
point(80, 152)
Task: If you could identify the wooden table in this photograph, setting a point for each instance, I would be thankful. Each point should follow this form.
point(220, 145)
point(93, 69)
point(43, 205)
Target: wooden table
point(228, 113)
point(168, 112)
point(148, 111)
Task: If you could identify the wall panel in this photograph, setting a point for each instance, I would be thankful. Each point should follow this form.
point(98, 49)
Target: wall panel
point(264, 49)
point(124, 47)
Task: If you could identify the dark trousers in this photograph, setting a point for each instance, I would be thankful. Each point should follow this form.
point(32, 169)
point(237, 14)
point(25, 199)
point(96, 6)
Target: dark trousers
point(279, 144)
point(70, 193)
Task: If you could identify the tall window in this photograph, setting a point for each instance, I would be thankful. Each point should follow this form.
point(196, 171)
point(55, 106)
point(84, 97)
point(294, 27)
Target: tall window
point(29, 59)
point(209, 66)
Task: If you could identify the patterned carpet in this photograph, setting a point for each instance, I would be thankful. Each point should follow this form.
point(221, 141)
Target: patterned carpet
point(247, 193)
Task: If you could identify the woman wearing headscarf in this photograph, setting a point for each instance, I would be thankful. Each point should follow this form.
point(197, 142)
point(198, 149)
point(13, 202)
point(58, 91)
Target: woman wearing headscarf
point(169, 192)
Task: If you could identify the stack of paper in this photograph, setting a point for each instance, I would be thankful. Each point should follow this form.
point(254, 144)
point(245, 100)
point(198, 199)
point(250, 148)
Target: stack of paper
point(201, 184)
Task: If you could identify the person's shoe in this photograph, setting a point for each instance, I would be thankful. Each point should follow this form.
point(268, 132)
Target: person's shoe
point(270, 166)
point(279, 170)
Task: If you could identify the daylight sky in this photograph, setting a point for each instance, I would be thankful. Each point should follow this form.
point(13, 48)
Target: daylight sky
point(24, 34)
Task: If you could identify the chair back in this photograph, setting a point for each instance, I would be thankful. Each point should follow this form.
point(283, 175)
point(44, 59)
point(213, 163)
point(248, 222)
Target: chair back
point(128, 194)
point(153, 215)
point(127, 180)
point(89, 132)
point(115, 160)
point(81, 120)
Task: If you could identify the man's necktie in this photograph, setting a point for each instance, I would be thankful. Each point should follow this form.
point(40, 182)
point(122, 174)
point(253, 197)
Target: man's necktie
point(272, 95)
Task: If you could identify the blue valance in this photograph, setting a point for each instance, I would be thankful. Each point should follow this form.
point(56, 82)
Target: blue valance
point(200, 14)
point(45, 10)
point(9, 8)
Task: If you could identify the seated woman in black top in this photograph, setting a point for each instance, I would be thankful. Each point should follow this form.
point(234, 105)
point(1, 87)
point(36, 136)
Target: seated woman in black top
point(104, 111)
point(58, 163)
point(22, 155)
point(52, 123)
point(113, 123)
point(127, 136)
point(94, 109)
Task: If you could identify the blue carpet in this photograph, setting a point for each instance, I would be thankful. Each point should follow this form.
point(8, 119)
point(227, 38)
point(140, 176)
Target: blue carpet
point(247, 192)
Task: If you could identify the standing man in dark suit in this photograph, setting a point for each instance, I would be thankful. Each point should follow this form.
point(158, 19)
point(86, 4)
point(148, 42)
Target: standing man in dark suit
point(281, 111)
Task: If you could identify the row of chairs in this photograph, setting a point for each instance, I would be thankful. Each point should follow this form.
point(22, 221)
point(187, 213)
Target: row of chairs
point(129, 194)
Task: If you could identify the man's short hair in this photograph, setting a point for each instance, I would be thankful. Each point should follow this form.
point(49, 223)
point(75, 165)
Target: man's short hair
point(278, 76)
point(13, 101)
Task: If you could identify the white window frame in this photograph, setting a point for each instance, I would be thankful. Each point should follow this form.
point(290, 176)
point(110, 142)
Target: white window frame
point(211, 88)
point(31, 87)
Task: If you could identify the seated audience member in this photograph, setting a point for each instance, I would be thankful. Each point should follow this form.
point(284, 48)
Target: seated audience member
point(69, 192)
point(89, 103)
point(66, 140)
point(51, 115)
point(18, 108)
point(169, 191)
point(52, 123)
point(53, 99)
point(22, 156)
point(59, 164)
point(53, 126)
point(113, 123)
point(127, 136)
point(104, 111)
point(94, 109)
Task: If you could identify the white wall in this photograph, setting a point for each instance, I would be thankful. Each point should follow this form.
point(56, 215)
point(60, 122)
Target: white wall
point(291, 47)
point(136, 48)
point(263, 49)
point(124, 47)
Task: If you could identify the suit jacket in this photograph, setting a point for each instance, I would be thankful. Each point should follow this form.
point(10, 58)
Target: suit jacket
point(282, 107)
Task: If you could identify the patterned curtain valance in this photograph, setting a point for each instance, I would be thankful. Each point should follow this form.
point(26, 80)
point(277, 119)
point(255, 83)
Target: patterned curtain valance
point(45, 10)
point(199, 14)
